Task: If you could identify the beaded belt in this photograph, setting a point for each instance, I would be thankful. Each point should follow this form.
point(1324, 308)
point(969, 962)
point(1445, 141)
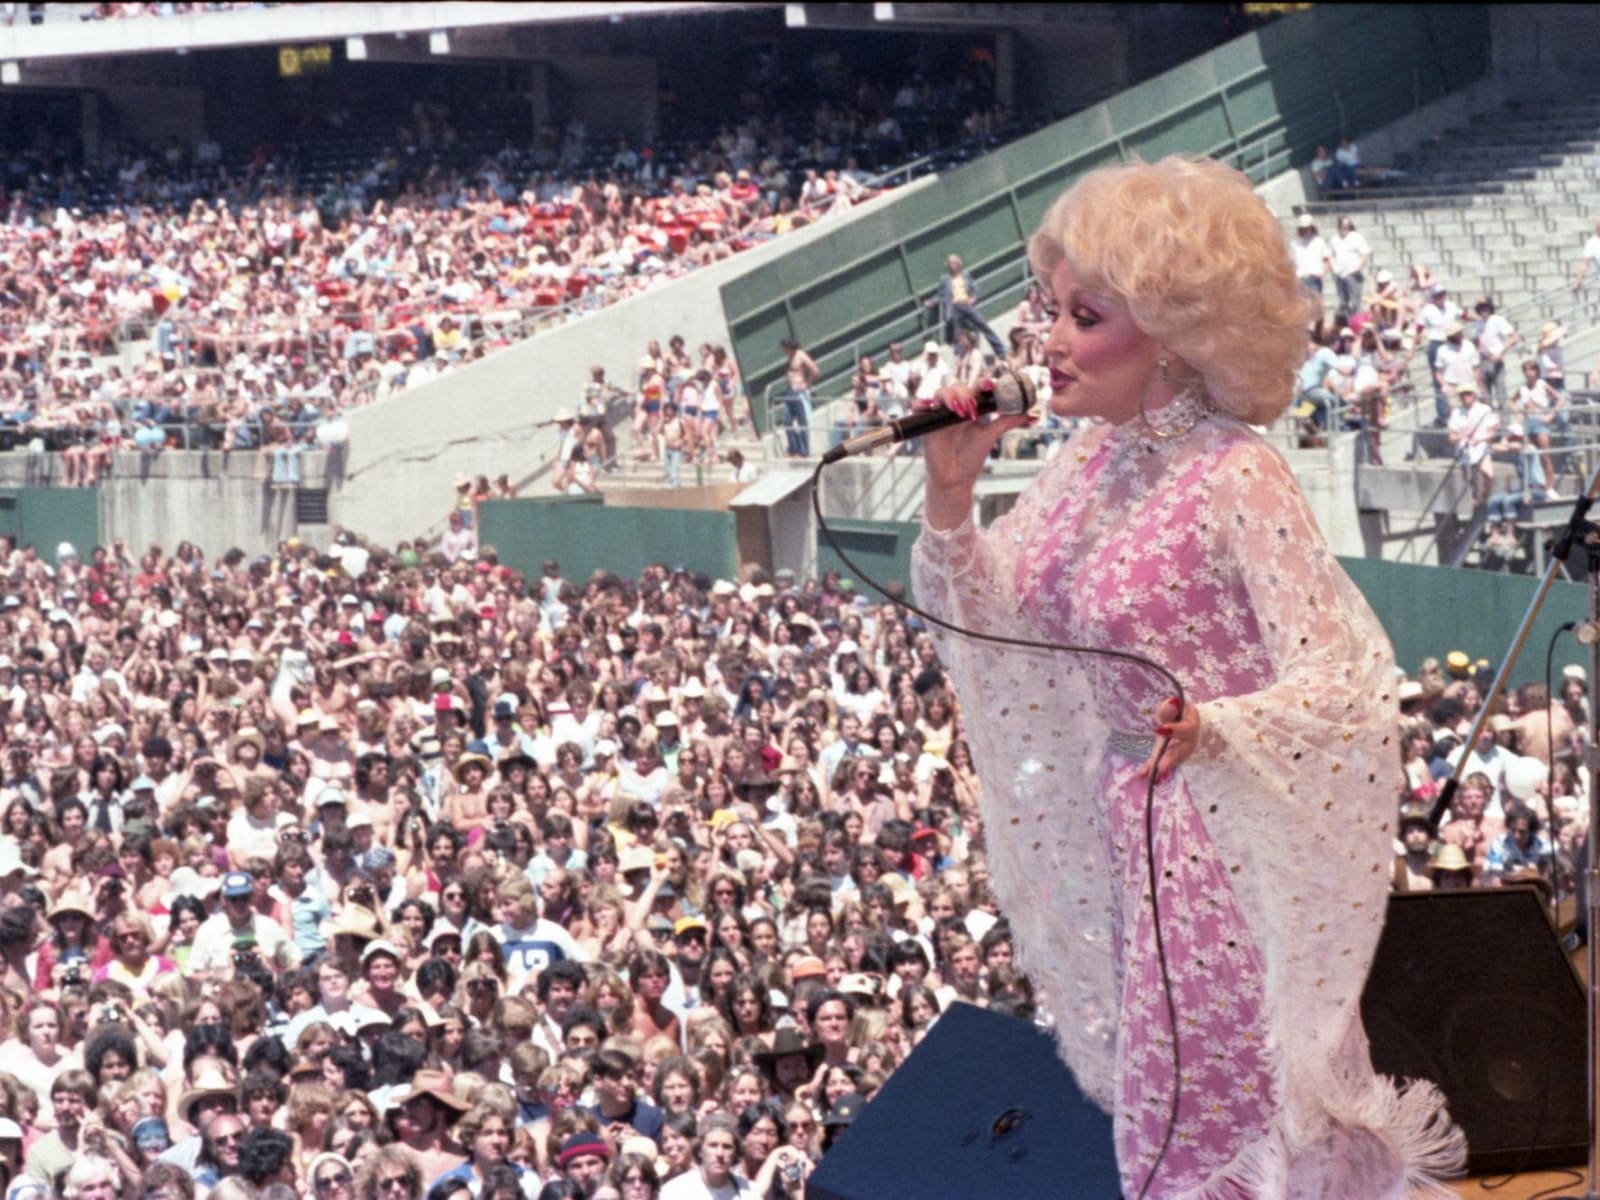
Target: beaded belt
point(1134, 745)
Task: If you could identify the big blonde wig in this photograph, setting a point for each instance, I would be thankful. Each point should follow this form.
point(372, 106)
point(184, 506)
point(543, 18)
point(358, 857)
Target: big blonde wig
point(1202, 266)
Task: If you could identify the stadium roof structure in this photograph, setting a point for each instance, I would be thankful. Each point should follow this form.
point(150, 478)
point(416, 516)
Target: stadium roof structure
point(444, 28)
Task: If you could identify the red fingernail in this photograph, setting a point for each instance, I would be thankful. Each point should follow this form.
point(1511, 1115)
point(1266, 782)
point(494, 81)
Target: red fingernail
point(1162, 777)
point(1163, 730)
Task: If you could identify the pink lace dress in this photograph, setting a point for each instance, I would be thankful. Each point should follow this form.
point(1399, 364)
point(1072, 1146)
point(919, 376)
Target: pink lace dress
point(1271, 841)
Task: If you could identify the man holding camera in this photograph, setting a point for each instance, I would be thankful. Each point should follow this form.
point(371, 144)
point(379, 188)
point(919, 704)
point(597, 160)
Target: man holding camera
point(239, 925)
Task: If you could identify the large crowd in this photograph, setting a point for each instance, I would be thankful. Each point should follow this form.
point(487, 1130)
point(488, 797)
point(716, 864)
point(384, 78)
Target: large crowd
point(1501, 396)
point(220, 303)
point(351, 871)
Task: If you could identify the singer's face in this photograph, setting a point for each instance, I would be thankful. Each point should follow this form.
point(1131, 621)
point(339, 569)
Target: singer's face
point(1100, 361)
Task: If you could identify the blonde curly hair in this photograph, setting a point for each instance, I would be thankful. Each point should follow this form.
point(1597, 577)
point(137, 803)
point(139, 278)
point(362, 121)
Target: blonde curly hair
point(1202, 266)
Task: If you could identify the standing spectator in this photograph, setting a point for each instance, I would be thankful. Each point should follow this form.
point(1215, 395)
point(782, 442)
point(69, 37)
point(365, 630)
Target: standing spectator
point(1433, 319)
point(457, 539)
point(800, 374)
point(1455, 366)
point(1496, 336)
point(957, 299)
point(674, 443)
point(1473, 429)
point(933, 373)
point(1542, 409)
point(1312, 257)
point(1351, 256)
point(1590, 260)
point(1552, 355)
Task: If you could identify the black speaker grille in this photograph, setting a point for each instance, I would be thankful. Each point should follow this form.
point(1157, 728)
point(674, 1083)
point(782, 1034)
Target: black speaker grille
point(1470, 989)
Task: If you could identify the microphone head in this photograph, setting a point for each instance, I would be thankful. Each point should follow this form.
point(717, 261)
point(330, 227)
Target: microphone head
point(1014, 393)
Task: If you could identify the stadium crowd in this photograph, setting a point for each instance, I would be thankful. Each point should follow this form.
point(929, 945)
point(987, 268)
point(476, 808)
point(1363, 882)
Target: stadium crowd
point(217, 303)
point(358, 872)
point(1499, 396)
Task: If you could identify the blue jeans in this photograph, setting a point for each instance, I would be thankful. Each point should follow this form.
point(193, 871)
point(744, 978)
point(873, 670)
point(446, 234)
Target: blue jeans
point(964, 316)
point(674, 464)
point(797, 421)
point(1441, 402)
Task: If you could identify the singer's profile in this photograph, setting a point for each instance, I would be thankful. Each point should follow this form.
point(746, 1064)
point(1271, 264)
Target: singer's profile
point(1168, 527)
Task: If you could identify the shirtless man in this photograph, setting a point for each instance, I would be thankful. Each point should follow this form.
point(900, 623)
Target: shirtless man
point(72, 816)
point(421, 1116)
point(372, 797)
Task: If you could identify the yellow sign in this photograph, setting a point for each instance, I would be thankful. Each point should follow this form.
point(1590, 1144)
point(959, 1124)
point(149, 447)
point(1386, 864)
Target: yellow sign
point(315, 59)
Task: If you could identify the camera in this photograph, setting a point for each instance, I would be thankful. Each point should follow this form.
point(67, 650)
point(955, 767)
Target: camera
point(791, 1171)
point(72, 977)
point(246, 958)
point(113, 887)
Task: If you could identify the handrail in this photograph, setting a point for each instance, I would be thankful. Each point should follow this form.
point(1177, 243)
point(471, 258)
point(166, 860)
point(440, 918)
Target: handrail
point(1589, 448)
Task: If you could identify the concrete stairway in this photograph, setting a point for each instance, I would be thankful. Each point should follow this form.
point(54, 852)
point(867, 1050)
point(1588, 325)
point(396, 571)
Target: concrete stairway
point(1499, 207)
point(632, 475)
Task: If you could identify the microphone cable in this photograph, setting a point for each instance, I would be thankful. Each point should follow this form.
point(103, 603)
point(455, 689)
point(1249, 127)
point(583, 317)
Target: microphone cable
point(1163, 742)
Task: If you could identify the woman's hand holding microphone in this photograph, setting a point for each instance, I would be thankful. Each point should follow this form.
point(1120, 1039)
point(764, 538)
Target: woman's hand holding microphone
point(954, 457)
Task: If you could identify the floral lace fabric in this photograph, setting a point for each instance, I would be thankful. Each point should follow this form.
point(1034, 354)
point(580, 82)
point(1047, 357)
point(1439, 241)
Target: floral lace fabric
point(1200, 553)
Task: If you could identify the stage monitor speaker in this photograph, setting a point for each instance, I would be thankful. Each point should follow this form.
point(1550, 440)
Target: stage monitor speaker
point(983, 1108)
point(1471, 990)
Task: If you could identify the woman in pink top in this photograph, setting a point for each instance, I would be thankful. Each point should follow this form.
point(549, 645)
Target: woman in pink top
point(1168, 527)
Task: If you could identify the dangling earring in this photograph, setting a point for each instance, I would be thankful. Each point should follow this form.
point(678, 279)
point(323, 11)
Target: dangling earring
point(1179, 415)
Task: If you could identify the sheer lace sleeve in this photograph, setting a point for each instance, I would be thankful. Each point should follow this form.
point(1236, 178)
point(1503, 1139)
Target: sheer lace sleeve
point(1035, 735)
point(1298, 780)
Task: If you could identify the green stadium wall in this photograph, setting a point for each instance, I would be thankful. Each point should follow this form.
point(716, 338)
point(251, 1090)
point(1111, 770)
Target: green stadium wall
point(44, 517)
point(1427, 611)
point(1261, 102)
point(585, 535)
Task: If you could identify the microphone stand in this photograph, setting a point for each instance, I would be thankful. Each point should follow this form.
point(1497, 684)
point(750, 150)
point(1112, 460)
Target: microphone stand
point(1579, 530)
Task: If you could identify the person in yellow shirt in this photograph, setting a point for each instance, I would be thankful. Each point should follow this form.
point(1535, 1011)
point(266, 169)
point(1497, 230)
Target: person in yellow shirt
point(957, 299)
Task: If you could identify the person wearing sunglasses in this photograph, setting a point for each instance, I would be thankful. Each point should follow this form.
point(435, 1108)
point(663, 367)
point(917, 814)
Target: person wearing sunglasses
point(331, 1178)
point(389, 1173)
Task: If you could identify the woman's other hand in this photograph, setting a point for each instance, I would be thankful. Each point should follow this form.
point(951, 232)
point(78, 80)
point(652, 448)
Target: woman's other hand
point(1178, 725)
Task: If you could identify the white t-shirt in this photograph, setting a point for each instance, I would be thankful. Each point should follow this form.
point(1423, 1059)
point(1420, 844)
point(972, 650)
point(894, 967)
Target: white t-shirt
point(1476, 426)
point(1496, 332)
point(1435, 318)
point(1310, 257)
point(253, 838)
point(1349, 250)
point(934, 377)
point(896, 378)
point(690, 1186)
point(1591, 251)
point(1457, 363)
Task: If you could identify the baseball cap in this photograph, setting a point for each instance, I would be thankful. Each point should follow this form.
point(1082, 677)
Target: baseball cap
point(237, 883)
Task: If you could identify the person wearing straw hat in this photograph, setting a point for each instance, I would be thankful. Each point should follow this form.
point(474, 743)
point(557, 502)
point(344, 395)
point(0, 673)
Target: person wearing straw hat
point(1472, 429)
point(420, 1114)
point(1450, 868)
point(1551, 354)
